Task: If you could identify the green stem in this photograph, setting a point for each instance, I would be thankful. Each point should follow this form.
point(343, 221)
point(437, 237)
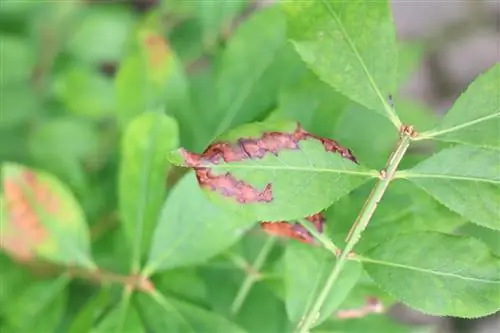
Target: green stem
point(325, 241)
point(251, 278)
point(360, 225)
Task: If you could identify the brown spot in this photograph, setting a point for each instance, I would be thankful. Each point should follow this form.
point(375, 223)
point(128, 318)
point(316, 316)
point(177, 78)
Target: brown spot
point(24, 229)
point(295, 230)
point(248, 149)
point(157, 49)
point(372, 305)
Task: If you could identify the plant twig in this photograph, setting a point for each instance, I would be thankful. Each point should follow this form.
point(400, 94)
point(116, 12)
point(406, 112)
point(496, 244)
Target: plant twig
point(251, 278)
point(360, 225)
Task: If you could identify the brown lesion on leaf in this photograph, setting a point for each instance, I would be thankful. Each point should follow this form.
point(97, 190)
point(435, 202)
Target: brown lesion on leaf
point(23, 229)
point(251, 149)
point(372, 305)
point(157, 49)
point(295, 230)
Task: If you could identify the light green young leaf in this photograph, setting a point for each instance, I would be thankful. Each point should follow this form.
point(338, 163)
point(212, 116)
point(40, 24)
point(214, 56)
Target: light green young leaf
point(464, 179)
point(247, 76)
point(38, 306)
point(350, 45)
point(41, 218)
point(191, 231)
point(474, 119)
point(306, 270)
point(167, 314)
point(439, 274)
point(284, 173)
point(143, 170)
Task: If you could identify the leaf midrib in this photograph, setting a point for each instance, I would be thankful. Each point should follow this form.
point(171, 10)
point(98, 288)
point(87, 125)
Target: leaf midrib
point(408, 175)
point(425, 270)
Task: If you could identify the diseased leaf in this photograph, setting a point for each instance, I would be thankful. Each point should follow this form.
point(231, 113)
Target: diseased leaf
point(464, 179)
point(143, 170)
point(294, 230)
point(41, 218)
point(474, 119)
point(306, 270)
point(358, 57)
point(191, 231)
point(274, 171)
point(173, 315)
point(38, 306)
point(439, 274)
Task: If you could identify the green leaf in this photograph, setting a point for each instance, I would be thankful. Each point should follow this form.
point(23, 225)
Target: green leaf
point(192, 231)
point(166, 314)
point(375, 324)
point(90, 312)
point(248, 78)
point(487, 236)
point(306, 270)
point(182, 282)
point(38, 306)
point(18, 57)
point(436, 273)
point(409, 56)
point(464, 179)
point(123, 318)
point(84, 91)
point(101, 34)
point(474, 119)
point(41, 218)
point(282, 183)
point(18, 104)
point(358, 57)
point(143, 171)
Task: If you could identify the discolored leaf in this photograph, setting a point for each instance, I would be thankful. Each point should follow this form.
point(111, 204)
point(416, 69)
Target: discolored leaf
point(274, 171)
point(474, 119)
point(191, 231)
point(358, 57)
point(143, 169)
point(294, 230)
point(167, 314)
point(437, 273)
point(306, 270)
point(41, 218)
point(464, 179)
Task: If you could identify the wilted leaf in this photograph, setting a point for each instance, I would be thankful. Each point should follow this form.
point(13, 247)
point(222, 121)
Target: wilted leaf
point(171, 315)
point(191, 231)
point(464, 179)
point(40, 217)
point(439, 274)
point(274, 171)
point(474, 119)
point(358, 57)
point(38, 306)
point(143, 173)
point(306, 270)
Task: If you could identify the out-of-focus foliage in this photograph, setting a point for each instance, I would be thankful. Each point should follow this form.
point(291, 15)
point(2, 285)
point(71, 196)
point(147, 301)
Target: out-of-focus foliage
point(101, 233)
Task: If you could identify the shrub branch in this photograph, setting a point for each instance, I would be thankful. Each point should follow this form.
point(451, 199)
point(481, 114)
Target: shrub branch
point(360, 225)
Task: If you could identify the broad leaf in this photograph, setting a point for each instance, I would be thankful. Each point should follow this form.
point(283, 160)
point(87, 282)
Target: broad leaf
point(487, 236)
point(474, 119)
point(166, 314)
point(274, 171)
point(191, 231)
point(123, 318)
point(87, 315)
point(437, 273)
point(306, 270)
point(375, 324)
point(464, 179)
point(358, 57)
point(143, 173)
point(41, 218)
point(38, 306)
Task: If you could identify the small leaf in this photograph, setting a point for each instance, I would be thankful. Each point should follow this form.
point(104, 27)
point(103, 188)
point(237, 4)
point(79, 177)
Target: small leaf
point(191, 231)
point(166, 314)
point(274, 171)
point(42, 218)
point(39, 306)
point(358, 57)
point(474, 119)
point(143, 170)
point(464, 179)
point(439, 274)
point(306, 270)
